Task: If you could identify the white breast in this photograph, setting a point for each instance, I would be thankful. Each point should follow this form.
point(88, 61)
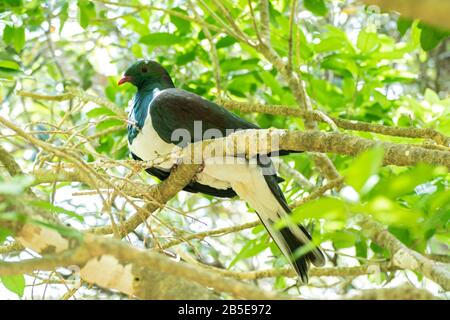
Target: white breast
point(148, 146)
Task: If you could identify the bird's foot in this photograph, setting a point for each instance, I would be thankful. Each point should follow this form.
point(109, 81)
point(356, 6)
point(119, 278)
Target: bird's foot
point(201, 168)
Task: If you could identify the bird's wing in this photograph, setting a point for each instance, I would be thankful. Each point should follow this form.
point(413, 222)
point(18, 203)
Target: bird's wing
point(193, 186)
point(175, 109)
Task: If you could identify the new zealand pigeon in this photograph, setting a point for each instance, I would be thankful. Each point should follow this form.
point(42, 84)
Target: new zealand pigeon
point(159, 110)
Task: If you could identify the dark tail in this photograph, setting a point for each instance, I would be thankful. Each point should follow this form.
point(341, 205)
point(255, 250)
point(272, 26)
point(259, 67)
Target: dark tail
point(292, 237)
point(301, 263)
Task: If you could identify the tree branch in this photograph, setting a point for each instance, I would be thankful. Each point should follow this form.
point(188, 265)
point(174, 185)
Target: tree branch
point(265, 21)
point(424, 133)
point(75, 93)
point(337, 183)
point(314, 272)
point(254, 142)
point(286, 171)
point(8, 161)
point(216, 232)
point(12, 247)
point(161, 192)
point(404, 257)
point(113, 264)
point(292, 24)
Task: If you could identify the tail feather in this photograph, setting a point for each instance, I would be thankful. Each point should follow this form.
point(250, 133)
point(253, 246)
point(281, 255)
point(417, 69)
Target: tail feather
point(258, 186)
point(288, 243)
point(295, 235)
point(315, 256)
point(264, 195)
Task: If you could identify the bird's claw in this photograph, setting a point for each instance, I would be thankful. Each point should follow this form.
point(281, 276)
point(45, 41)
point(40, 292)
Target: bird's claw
point(201, 168)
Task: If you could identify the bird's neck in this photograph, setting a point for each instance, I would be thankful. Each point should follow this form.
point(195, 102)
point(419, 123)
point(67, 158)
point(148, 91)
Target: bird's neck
point(148, 86)
point(149, 90)
point(141, 103)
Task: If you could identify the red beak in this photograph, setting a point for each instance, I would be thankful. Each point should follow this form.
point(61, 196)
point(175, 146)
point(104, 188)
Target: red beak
point(125, 79)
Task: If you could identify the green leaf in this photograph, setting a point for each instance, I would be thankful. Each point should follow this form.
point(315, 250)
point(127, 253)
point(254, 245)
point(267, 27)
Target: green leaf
point(225, 42)
point(241, 85)
point(334, 39)
point(63, 15)
point(403, 25)
point(101, 111)
point(349, 88)
point(251, 249)
point(395, 186)
point(306, 53)
point(361, 248)
point(14, 284)
point(233, 64)
point(62, 230)
point(439, 214)
point(431, 37)
point(280, 283)
point(186, 58)
point(108, 123)
point(258, 229)
point(8, 34)
point(4, 233)
point(10, 5)
point(271, 82)
point(391, 213)
point(431, 96)
point(379, 250)
point(183, 25)
point(392, 76)
point(363, 167)
point(378, 278)
point(106, 143)
point(329, 208)
point(401, 234)
point(341, 239)
point(318, 7)
point(368, 41)
point(161, 39)
point(86, 12)
point(342, 64)
point(19, 38)
point(327, 94)
point(137, 50)
point(9, 64)
point(13, 216)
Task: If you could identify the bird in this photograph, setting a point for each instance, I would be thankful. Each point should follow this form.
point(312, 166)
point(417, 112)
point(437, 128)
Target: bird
point(159, 110)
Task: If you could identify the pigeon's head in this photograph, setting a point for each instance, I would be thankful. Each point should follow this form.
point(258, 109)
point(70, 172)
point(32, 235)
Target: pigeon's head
point(146, 72)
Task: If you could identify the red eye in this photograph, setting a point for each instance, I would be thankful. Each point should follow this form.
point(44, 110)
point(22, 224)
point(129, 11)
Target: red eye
point(144, 69)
